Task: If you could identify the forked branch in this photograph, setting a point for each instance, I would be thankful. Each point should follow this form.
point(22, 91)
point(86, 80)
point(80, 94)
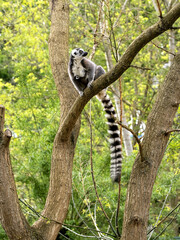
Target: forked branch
point(124, 63)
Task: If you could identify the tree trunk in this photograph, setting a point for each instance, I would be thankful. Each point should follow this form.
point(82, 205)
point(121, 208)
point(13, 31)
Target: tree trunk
point(154, 144)
point(11, 216)
point(59, 194)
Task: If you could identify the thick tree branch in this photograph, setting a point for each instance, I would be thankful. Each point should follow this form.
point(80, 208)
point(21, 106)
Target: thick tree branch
point(124, 63)
point(153, 146)
point(11, 216)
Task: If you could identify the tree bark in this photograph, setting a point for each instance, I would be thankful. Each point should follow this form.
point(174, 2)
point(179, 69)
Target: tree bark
point(123, 64)
point(59, 193)
point(154, 144)
point(11, 216)
point(64, 144)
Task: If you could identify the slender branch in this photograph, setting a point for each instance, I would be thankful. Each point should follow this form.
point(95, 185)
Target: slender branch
point(80, 215)
point(175, 28)
point(51, 220)
point(177, 206)
point(135, 136)
point(163, 48)
point(81, 235)
point(95, 33)
point(63, 236)
point(79, 13)
point(166, 227)
point(88, 205)
point(162, 209)
point(143, 68)
point(115, 54)
point(173, 130)
point(121, 107)
point(120, 14)
point(159, 8)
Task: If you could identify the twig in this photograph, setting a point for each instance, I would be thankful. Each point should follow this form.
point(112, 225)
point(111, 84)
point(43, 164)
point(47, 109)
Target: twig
point(164, 218)
point(64, 236)
point(135, 136)
point(88, 206)
point(143, 68)
point(163, 49)
point(95, 33)
point(115, 54)
point(122, 10)
point(81, 235)
point(87, 22)
point(51, 220)
point(80, 215)
point(175, 28)
point(161, 209)
point(159, 8)
point(173, 130)
point(165, 227)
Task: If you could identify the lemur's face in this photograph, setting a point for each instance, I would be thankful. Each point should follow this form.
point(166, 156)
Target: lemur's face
point(78, 53)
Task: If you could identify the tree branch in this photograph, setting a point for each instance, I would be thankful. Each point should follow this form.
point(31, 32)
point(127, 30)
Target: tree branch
point(154, 145)
point(135, 136)
point(163, 49)
point(11, 216)
point(173, 130)
point(123, 64)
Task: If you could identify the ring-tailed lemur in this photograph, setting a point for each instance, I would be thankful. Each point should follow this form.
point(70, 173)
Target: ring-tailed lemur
point(82, 73)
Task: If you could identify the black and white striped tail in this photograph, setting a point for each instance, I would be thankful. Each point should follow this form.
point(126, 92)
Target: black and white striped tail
point(114, 139)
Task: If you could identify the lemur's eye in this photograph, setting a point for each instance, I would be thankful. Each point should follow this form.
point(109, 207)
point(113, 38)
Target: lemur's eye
point(80, 51)
point(75, 53)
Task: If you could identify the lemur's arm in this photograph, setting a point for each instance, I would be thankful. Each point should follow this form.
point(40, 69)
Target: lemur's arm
point(90, 68)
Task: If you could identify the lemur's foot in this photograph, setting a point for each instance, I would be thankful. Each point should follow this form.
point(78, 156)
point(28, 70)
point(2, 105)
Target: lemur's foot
point(90, 84)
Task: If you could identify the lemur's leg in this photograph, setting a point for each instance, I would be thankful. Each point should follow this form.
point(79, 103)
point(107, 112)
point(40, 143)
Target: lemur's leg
point(99, 71)
point(79, 85)
point(90, 77)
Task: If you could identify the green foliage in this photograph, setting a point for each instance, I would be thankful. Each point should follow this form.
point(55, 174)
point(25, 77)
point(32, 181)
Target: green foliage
point(29, 95)
point(28, 92)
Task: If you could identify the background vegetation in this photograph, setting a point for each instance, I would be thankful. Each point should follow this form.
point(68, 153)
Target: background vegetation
point(28, 92)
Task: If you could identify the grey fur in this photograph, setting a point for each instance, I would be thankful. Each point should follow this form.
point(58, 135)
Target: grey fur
point(82, 71)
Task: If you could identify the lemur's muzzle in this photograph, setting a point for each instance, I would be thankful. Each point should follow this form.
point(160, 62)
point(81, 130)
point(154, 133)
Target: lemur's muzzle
point(85, 54)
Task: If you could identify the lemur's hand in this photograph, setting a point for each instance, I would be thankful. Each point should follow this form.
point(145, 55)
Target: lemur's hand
point(90, 84)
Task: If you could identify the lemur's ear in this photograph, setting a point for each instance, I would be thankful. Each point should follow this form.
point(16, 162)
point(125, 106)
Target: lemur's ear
point(85, 54)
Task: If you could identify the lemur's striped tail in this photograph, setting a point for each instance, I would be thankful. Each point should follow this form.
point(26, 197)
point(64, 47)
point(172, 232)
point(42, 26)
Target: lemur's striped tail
point(114, 139)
